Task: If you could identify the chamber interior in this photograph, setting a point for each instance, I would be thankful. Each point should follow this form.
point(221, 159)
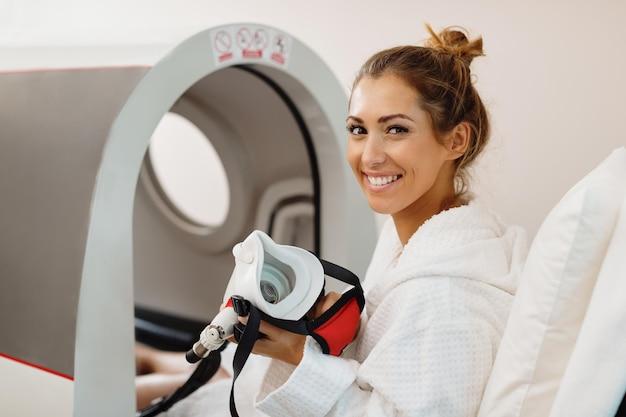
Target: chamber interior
point(182, 266)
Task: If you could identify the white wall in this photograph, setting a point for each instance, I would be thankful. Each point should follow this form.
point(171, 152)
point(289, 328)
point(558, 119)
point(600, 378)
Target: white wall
point(552, 78)
point(26, 391)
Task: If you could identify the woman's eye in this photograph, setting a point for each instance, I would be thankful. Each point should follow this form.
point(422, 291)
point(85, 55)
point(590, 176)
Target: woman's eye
point(394, 130)
point(355, 130)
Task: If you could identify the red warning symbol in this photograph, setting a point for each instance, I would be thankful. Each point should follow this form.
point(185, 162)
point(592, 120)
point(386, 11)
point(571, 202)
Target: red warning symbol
point(279, 46)
point(223, 44)
point(244, 38)
point(252, 45)
point(260, 39)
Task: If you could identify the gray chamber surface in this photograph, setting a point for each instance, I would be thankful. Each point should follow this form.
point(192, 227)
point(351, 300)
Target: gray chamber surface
point(53, 127)
point(85, 232)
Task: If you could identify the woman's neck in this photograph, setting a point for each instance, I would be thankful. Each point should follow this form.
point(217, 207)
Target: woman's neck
point(408, 220)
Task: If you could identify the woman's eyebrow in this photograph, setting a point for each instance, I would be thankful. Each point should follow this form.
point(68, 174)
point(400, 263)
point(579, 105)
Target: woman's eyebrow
point(383, 119)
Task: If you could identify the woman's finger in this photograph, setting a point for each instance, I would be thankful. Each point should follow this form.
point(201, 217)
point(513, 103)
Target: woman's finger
point(264, 327)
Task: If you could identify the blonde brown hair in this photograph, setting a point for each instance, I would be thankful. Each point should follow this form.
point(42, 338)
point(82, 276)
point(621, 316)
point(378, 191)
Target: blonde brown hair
point(440, 72)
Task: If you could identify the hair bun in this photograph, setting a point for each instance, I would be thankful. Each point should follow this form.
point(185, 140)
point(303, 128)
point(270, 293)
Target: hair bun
point(454, 40)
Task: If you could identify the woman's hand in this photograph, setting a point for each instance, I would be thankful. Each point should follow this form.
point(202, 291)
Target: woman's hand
point(278, 343)
point(285, 345)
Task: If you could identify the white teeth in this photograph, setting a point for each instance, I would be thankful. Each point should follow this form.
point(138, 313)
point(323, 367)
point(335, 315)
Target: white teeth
point(381, 180)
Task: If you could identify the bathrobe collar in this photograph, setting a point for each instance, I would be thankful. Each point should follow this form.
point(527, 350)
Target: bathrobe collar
point(467, 242)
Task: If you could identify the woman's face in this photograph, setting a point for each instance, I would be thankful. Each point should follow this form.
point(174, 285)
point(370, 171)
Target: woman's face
point(392, 147)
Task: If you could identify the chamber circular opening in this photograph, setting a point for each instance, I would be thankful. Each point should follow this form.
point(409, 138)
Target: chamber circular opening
point(189, 172)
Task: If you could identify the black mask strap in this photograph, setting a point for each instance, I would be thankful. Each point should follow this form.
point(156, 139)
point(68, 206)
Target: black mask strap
point(244, 348)
point(347, 276)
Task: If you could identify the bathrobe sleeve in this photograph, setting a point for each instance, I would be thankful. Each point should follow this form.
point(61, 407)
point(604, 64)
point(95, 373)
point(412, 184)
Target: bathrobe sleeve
point(434, 368)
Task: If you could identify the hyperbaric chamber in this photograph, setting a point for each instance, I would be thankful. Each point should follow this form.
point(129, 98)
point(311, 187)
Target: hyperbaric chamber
point(88, 229)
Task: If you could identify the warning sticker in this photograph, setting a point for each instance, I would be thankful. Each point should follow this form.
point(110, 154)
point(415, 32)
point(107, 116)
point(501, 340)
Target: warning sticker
point(250, 43)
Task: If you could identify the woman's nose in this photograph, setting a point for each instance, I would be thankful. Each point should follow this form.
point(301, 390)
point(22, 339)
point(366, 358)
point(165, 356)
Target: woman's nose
point(373, 153)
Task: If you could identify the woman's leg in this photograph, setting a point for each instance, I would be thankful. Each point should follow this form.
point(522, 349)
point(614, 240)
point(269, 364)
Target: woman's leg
point(160, 373)
point(152, 386)
point(149, 360)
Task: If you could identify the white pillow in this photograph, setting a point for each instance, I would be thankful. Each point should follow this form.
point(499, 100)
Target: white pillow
point(595, 379)
point(553, 294)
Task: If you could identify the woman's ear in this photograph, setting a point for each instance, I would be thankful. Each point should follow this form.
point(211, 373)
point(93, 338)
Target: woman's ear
point(458, 140)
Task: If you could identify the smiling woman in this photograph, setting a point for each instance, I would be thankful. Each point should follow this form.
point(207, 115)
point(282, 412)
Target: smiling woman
point(445, 269)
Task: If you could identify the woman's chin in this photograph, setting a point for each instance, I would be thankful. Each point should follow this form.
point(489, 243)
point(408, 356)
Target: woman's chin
point(380, 207)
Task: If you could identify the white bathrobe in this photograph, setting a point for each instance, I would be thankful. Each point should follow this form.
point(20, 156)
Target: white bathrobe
point(435, 312)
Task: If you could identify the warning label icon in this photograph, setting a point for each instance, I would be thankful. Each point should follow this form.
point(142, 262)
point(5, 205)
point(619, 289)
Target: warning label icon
point(244, 38)
point(252, 46)
point(278, 49)
point(223, 44)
